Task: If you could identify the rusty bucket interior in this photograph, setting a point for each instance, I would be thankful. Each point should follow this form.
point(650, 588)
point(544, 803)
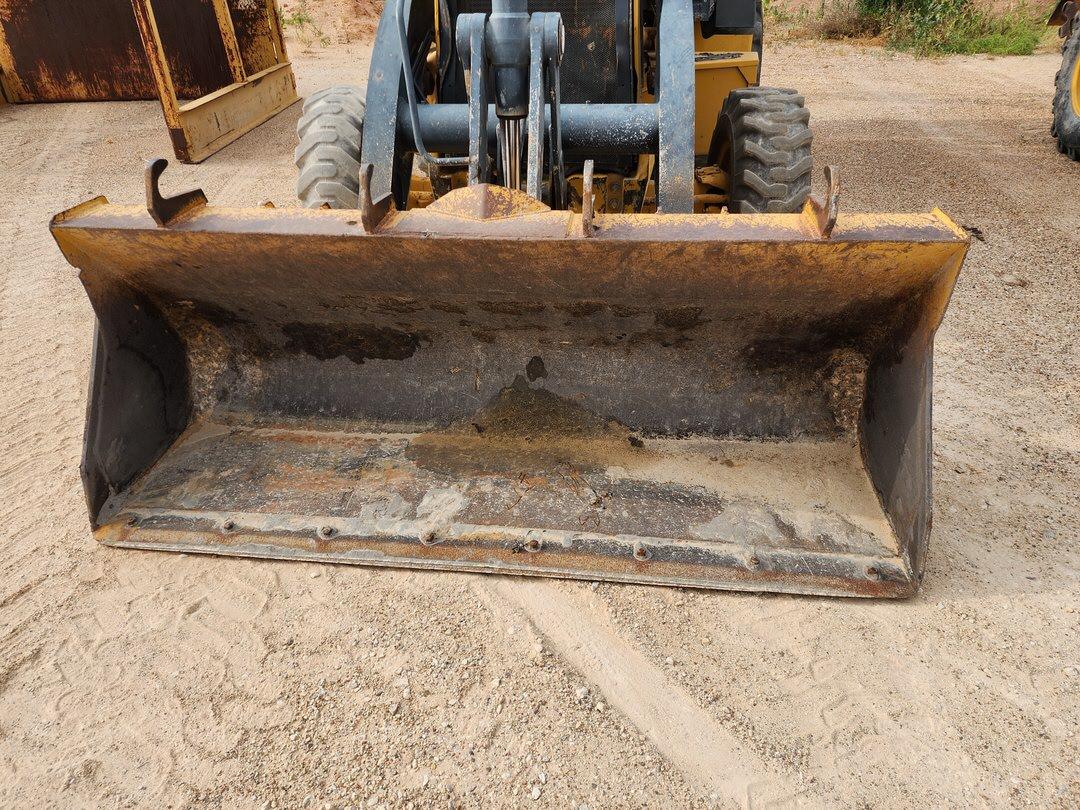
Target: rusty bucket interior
point(718, 401)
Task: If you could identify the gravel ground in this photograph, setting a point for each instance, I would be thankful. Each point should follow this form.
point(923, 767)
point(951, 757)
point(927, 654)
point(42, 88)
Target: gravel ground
point(137, 679)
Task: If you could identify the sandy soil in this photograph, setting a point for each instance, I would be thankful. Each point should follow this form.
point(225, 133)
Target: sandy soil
point(322, 23)
point(138, 679)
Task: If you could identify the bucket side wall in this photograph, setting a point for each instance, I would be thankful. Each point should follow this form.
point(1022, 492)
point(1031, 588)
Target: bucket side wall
point(139, 400)
point(896, 426)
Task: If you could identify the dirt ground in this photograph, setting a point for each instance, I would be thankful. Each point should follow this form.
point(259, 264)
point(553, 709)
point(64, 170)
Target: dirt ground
point(140, 679)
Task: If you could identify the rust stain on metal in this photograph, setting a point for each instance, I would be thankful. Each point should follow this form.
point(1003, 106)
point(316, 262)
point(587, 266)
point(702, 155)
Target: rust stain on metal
point(357, 343)
point(488, 552)
point(71, 50)
point(63, 50)
point(258, 33)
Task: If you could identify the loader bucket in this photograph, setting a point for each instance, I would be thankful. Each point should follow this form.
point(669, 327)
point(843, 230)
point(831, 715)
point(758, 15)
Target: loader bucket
point(717, 401)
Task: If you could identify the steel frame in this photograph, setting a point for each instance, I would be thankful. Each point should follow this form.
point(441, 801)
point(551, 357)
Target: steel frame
point(665, 128)
point(224, 91)
point(201, 127)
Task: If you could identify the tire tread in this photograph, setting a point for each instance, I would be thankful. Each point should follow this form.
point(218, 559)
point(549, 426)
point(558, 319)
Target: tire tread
point(771, 150)
point(1066, 124)
point(330, 133)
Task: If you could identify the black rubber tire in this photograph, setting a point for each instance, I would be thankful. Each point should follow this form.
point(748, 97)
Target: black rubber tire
point(331, 131)
point(1066, 126)
point(763, 141)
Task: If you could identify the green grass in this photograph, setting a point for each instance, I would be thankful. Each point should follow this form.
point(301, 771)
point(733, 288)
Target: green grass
point(298, 18)
point(924, 27)
point(956, 26)
point(307, 30)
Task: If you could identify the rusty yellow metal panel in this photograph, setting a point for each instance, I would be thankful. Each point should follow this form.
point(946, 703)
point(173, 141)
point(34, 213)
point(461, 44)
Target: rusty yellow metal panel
point(7, 78)
point(258, 32)
point(201, 126)
point(89, 50)
point(192, 41)
point(207, 124)
point(218, 67)
point(488, 385)
point(72, 50)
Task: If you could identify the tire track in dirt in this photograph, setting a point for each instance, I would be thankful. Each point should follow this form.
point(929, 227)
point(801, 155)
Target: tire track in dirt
point(682, 731)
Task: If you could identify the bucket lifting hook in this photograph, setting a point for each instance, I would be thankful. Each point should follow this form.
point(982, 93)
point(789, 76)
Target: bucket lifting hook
point(822, 212)
point(165, 210)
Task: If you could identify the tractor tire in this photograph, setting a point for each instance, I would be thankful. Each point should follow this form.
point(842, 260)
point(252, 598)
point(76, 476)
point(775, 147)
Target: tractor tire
point(1066, 126)
point(763, 141)
point(331, 131)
